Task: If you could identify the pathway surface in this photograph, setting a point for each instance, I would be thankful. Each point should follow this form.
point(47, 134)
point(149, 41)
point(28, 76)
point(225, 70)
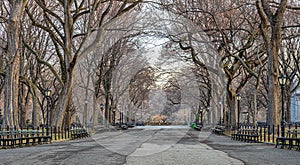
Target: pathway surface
point(253, 153)
point(151, 145)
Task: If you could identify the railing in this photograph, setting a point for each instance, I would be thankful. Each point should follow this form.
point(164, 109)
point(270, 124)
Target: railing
point(269, 134)
point(12, 137)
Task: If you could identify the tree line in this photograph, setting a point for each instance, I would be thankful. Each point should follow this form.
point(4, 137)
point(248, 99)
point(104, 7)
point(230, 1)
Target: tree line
point(89, 52)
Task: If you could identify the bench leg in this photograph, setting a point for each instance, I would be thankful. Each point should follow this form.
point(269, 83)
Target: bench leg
point(290, 144)
point(277, 143)
point(282, 144)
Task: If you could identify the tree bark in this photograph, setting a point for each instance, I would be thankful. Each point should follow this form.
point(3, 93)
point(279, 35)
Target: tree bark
point(95, 111)
point(63, 101)
point(35, 110)
point(13, 66)
point(272, 39)
point(69, 64)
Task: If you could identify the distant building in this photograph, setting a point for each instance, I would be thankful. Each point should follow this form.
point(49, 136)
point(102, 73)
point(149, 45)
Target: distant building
point(295, 106)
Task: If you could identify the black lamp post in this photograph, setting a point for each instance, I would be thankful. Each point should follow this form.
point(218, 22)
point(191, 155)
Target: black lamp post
point(248, 117)
point(282, 81)
point(47, 94)
point(114, 117)
point(101, 106)
point(220, 104)
point(101, 109)
point(201, 116)
point(122, 117)
point(208, 114)
point(238, 97)
point(86, 102)
point(0, 116)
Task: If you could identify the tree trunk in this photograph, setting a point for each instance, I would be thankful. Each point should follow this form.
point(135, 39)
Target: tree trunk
point(63, 101)
point(86, 101)
point(23, 102)
point(255, 110)
point(35, 109)
point(13, 66)
point(232, 104)
point(69, 64)
point(273, 87)
point(288, 106)
point(255, 113)
point(272, 39)
point(95, 111)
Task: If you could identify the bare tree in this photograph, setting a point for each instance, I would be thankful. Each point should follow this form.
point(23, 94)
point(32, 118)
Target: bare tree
point(272, 39)
point(13, 63)
point(232, 31)
point(140, 86)
point(75, 29)
point(272, 17)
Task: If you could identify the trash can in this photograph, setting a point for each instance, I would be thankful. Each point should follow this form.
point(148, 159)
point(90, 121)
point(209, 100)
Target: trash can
point(194, 125)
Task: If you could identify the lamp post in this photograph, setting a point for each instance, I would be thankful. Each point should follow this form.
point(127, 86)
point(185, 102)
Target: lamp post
point(282, 81)
point(184, 117)
point(122, 117)
point(201, 116)
point(101, 106)
point(85, 113)
point(47, 94)
point(114, 117)
point(238, 97)
point(101, 109)
point(209, 119)
point(221, 114)
point(0, 116)
point(197, 119)
point(248, 117)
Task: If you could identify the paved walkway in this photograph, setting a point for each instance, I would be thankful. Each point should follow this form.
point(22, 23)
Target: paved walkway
point(155, 146)
point(253, 153)
point(180, 149)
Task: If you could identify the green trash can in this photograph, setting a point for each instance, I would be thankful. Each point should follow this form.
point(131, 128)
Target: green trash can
point(194, 125)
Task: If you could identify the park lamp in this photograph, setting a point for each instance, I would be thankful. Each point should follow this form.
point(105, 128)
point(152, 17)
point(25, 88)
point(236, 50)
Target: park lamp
point(47, 92)
point(207, 109)
point(201, 109)
point(238, 96)
point(282, 79)
point(101, 106)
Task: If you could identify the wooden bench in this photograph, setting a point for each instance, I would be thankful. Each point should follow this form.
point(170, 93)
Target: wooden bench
point(219, 130)
point(198, 127)
point(13, 138)
point(9, 138)
point(292, 140)
point(123, 127)
point(238, 135)
point(78, 133)
point(246, 135)
point(35, 136)
point(251, 135)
